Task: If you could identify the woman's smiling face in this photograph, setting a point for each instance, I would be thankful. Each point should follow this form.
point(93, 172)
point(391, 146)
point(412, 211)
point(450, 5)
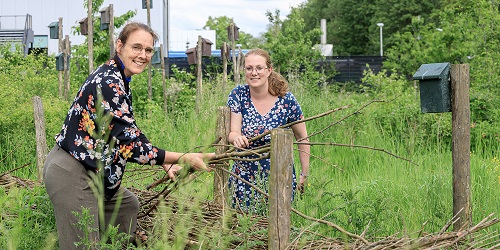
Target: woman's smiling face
point(257, 71)
point(133, 51)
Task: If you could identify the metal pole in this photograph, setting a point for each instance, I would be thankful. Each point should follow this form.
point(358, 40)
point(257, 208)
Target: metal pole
point(166, 35)
point(166, 28)
point(381, 46)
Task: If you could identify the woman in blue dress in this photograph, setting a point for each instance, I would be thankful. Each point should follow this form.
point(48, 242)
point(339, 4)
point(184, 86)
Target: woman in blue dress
point(264, 103)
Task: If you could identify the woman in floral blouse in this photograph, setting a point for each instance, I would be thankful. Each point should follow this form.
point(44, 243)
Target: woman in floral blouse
point(257, 107)
point(98, 137)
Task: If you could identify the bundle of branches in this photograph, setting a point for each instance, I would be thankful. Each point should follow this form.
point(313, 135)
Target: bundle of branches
point(214, 218)
point(7, 180)
point(212, 215)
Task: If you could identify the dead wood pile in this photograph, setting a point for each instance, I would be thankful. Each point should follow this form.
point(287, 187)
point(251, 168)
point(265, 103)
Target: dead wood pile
point(212, 216)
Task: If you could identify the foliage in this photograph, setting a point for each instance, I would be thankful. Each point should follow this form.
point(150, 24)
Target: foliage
point(465, 34)
point(349, 186)
point(221, 26)
point(289, 45)
point(101, 53)
point(27, 220)
point(116, 240)
point(351, 25)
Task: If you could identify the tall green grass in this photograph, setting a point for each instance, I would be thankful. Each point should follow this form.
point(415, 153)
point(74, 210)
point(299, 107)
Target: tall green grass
point(352, 187)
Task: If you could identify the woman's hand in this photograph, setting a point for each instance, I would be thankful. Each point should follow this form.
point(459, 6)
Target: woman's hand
point(172, 170)
point(241, 142)
point(197, 160)
point(301, 186)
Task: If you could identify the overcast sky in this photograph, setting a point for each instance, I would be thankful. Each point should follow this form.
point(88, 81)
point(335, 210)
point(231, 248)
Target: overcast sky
point(249, 15)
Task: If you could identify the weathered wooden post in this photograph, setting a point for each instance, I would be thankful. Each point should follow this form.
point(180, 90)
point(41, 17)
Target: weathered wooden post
point(199, 74)
point(220, 177)
point(280, 188)
point(233, 36)
point(224, 55)
point(67, 74)
point(460, 108)
point(111, 30)
point(150, 84)
point(446, 89)
point(163, 80)
point(41, 142)
point(59, 50)
point(90, 36)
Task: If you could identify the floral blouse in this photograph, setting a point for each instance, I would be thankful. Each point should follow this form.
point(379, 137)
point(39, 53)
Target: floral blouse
point(100, 129)
point(285, 110)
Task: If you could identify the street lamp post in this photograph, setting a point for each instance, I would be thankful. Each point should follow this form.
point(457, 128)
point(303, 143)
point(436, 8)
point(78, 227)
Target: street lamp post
point(381, 47)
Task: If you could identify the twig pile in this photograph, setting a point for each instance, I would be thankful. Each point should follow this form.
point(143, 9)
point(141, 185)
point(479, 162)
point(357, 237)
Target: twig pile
point(212, 217)
point(226, 222)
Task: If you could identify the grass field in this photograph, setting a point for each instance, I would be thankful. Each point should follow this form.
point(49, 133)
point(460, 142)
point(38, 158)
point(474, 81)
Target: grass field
point(400, 180)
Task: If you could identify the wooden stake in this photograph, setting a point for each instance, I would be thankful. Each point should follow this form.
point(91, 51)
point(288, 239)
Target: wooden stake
point(199, 85)
point(111, 29)
point(460, 108)
point(67, 78)
point(60, 49)
point(163, 80)
point(41, 142)
point(90, 36)
point(224, 65)
point(150, 84)
point(280, 188)
point(220, 177)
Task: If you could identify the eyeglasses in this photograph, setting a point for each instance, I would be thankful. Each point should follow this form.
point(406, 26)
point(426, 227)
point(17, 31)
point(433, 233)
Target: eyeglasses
point(137, 49)
point(257, 69)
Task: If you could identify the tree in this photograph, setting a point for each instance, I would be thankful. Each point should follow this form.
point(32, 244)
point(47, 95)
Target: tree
point(290, 45)
point(351, 25)
point(100, 40)
point(221, 24)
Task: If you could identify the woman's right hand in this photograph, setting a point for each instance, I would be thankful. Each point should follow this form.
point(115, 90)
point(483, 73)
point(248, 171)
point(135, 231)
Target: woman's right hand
point(172, 170)
point(241, 142)
point(197, 160)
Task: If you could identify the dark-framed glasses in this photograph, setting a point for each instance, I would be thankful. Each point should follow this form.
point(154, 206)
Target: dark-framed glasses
point(257, 69)
point(137, 49)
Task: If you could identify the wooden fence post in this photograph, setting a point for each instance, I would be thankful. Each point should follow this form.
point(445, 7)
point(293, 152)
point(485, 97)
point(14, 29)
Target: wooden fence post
point(224, 65)
point(280, 188)
point(41, 142)
point(220, 177)
point(150, 83)
point(199, 74)
point(111, 30)
point(90, 36)
point(67, 68)
point(460, 108)
point(163, 80)
point(233, 52)
point(59, 50)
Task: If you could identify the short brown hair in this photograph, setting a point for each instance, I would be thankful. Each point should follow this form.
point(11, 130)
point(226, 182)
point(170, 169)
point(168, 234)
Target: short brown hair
point(134, 26)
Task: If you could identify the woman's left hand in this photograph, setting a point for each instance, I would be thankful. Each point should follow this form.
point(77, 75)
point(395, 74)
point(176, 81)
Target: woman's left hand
point(302, 184)
point(172, 170)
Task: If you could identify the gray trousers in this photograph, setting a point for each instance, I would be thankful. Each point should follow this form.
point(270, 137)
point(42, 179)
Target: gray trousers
point(70, 188)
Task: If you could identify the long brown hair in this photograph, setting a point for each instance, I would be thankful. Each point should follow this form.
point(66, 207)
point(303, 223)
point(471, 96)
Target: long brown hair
point(278, 85)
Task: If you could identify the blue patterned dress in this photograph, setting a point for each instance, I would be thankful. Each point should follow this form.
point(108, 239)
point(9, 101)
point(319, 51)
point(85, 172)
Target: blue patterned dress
point(285, 110)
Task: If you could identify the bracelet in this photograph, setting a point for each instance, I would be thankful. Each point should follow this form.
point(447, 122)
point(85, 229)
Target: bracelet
point(302, 174)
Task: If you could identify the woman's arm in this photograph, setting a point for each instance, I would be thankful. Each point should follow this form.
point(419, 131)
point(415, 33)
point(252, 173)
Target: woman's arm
point(235, 137)
point(195, 160)
point(300, 131)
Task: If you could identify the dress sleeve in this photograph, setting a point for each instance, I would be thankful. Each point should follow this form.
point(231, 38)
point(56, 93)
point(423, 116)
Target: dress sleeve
point(234, 100)
point(132, 144)
point(295, 112)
